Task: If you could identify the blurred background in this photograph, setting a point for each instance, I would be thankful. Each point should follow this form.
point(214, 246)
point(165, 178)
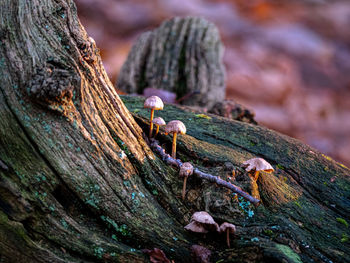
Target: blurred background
point(288, 61)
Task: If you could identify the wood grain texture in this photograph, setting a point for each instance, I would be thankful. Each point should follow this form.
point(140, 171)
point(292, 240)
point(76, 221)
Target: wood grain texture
point(78, 182)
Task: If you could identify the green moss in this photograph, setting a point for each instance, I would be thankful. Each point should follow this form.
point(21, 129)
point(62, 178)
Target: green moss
point(252, 144)
point(268, 232)
point(297, 204)
point(327, 157)
point(280, 166)
point(344, 238)
point(289, 253)
point(203, 116)
point(122, 229)
point(342, 221)
point(330, 159)
point(342, 165)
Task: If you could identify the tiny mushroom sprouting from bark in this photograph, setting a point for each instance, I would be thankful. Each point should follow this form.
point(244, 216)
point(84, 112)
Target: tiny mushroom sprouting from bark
point(175, 127)
point(202, 222)
point(153, 103)
point(186, 170)
point(158, 122)
point(228, 229)
point(256, 165)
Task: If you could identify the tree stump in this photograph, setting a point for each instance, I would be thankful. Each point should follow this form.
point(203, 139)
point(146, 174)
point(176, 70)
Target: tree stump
point(184, 56)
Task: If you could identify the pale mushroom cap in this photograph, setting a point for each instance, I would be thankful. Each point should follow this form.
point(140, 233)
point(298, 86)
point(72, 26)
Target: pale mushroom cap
point(186, 170)
point(202, 217)
point(175, 127)
point(159, 121)
point(258, 164)
point(194, 227)
point(154, 102)
point(225, 226)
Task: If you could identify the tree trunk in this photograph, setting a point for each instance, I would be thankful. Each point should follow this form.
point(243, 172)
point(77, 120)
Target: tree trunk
point(80, 184)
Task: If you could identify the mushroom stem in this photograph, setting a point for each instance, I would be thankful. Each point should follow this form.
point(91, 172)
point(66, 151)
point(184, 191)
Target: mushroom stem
point(173, 152)
point(184, 188)
point(254, 189)
point(256, 175)
point(151, 123)
point(157, 130)
point(253, 176)
point(228, 237)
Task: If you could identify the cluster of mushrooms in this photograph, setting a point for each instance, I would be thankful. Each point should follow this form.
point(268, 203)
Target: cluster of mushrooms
point(202, 222)
point(175, 127)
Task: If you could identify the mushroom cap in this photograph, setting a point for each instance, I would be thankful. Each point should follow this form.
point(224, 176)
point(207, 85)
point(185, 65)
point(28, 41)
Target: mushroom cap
point(175, 127)
point(154, 102)
point(258, 164)
point(186, 169)
point(196, 227)
point(204, 219)
point(225, 226)
point(159, 121)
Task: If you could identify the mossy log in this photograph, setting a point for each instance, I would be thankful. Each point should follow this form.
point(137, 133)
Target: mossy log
point(305, 202)
point(78, 182)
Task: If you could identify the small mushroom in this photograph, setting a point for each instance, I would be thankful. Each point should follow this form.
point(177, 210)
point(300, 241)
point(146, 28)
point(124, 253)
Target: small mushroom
point(195, 227)
point(256, 165)
point(186, 170)
point(229, 229)
point(158, 122)
point(202, 222)
point(153, 103)
point(175, 127)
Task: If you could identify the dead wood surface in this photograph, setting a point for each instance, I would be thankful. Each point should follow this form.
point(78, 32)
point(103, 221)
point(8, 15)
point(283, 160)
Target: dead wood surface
point(78, 182)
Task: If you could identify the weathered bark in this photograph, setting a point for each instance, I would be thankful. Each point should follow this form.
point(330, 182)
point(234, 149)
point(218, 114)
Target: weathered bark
point(80, 184)
point(77, 163)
